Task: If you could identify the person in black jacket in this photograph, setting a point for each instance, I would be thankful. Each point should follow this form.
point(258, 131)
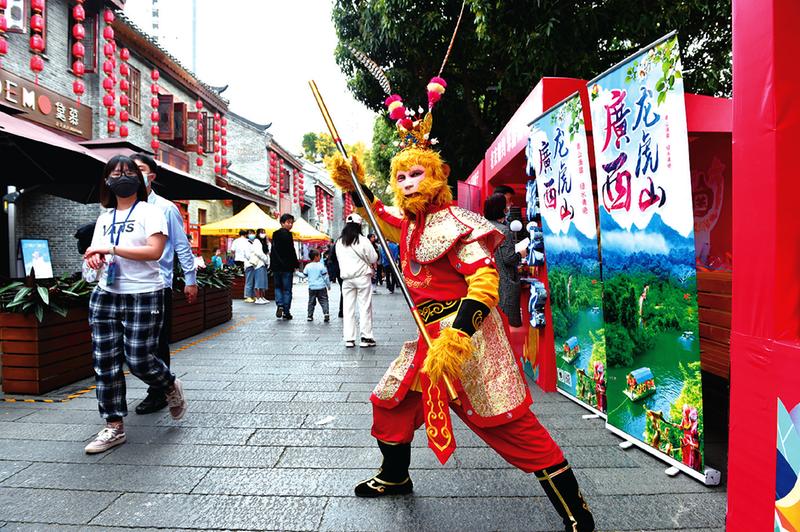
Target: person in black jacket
point(283, 263)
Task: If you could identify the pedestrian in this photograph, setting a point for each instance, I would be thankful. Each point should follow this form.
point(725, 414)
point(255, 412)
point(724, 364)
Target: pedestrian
point(283, 262)
point(357, 258)
point(249, 269)
point(377, 277)
point(216, 259)
point(126, 308)
point(506, 258)
point(332, 264)
point(239, 249)
point(259, 261)
point(386, 260)
point(176, 245)
point(318, 285)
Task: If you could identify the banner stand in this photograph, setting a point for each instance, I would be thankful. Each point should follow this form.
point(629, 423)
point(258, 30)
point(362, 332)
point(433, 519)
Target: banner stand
point(596, 413)
point(709, 477)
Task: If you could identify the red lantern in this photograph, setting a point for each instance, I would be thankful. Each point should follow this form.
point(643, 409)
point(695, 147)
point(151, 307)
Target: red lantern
point(108, 16)
point(108, 84)
point(154, 90)
point(37, 5)
point(217, 158)
point(124, 101)
point(37, 63)
point(124, 54)
point(224, 161)
point(216, 138)
point(199, 161)
point(108, 49)
point(108, 66)
point(198, 104)
point(78, 13)
point(78, 87)
point(124, 84)
point(154, 144)
point(111, 110)
point(124, 116)
point(154, 75)
point(154, 130)
point(123, 130)
point(3, 23)
point(224, 132)
point(37, 43)
point(78, 32)
point(224, 152)
point(224, 121)
point(108, 100)
point(37, 23)
point(224, 171)
point(154, 116)
point(216, 125)
point(78, 50)
point(223, 141)
point(112, 126)
point(108, 33)
point(216, 147)
point(216, 169)
point(78, 68)
point(200, 140)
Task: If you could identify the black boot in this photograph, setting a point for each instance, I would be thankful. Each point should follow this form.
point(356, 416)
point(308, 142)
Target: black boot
point(561, 487)
point(393, 478)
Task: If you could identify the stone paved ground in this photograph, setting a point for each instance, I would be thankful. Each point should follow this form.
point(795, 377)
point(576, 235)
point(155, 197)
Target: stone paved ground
point(278, 433)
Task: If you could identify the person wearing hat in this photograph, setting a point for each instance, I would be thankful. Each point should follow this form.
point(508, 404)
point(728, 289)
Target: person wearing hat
point(357, 258)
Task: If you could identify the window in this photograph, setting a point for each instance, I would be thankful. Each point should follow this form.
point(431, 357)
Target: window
point(166, 118)
point(209, 134)
point(202, 216)
point(89, 42)
point(135, 93)
point(17, 16)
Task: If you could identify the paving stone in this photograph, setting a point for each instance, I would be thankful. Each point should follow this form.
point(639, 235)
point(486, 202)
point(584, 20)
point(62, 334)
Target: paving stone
point(283, 482)
point(294, 386)
point(443, 514)
point(210, 512)
point(13, 414)
point(235, 420)
point(352, 458)
point(181, 435)
point(46, 451)
point(193, 455)
point(321, 410)
point(578, 457)
point(102, 477)
point(323, 397)
point(9, 469)
point(87, 417)
point(46, 432)
point(49, 527)
point(235, 396)
point(642, 481)
point(669, 511)
point(52, 506)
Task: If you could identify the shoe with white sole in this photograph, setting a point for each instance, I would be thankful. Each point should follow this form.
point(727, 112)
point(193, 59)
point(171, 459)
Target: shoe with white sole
point(367, 342)
point(249, 300)
point(261, 301)
point(107, 438)
point(176, 400)
point(350, 343)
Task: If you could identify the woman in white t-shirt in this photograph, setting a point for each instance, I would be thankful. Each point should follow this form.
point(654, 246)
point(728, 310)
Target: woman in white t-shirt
point(126, 308)
point(356, 256)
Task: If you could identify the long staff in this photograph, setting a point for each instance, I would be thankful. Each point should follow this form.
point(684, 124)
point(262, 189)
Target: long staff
point(374, 222)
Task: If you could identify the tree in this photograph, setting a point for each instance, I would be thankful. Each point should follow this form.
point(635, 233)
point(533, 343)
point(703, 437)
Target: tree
point(310, 146)
point(504, 48)
point(317, 146)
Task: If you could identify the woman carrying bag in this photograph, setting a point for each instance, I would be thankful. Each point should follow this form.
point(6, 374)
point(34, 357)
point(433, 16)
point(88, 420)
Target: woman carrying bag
point(259, 260)
point(356, 257)
point(126, 307)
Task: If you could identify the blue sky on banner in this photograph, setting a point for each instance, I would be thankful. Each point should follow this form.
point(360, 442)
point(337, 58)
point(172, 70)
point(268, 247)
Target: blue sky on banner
point(641, 146)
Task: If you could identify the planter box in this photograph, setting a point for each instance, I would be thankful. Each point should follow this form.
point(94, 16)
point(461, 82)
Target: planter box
point(218, 307)
point(187, 320)
point(40, 357)
point(237, 289)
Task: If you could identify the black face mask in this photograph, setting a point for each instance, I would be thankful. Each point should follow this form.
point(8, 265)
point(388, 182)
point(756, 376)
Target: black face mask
point(123, 186)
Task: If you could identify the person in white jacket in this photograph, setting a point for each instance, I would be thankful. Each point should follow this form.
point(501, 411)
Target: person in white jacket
point(258, 259)
point(357, 258)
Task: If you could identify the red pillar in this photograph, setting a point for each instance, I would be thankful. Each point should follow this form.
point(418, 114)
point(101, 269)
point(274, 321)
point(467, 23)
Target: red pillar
point(765, 344)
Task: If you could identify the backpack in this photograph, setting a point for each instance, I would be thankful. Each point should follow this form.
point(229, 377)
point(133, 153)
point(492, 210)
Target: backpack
point(332, 264)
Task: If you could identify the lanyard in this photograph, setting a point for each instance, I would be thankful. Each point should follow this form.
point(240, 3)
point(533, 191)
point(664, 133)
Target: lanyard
point(114, 222)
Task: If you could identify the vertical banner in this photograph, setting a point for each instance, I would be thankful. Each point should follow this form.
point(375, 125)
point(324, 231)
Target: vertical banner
point(787, 474)
point(559, 153)
point(647, 238)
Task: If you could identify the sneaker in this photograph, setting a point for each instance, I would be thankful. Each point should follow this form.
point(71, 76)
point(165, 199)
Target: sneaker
point(287, 316)
point(367, 342)
point(152, 403)
point(109, 437)
point(261, 301)
point(249, 300)
point(310, 318)
point(350, 343)
point(279, 312)
point(327, 318)
point(176, 400)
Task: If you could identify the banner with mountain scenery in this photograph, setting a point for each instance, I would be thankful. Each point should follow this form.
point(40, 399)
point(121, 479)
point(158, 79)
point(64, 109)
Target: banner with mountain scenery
point(648, 253)
point(559, 152)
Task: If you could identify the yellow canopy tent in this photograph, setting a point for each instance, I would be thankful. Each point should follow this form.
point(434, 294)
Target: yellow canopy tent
point(304, 232)
point(251, 217)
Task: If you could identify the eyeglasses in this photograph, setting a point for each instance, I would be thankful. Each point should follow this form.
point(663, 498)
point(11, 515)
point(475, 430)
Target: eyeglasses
point(115, 175)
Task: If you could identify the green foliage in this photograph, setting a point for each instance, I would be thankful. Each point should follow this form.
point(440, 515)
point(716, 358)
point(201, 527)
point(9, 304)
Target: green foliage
point(619, 346)
point(380, 159)
point(43, 296)
point(598, 348)
point(504, 48)
point(215, 278)
point(317, 146)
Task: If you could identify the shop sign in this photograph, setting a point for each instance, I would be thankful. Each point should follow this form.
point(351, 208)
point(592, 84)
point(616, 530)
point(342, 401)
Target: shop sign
point(41, 105)
point(647, 236)
point(558, 155)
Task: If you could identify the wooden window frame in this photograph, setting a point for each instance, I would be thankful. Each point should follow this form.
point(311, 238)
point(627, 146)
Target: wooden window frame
point(209, 134)
point(135, 93)
point(180, 118)
point(166, 117)
point(90, 22)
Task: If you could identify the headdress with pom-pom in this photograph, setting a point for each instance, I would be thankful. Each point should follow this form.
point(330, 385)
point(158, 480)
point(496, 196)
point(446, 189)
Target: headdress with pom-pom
point(414, 128)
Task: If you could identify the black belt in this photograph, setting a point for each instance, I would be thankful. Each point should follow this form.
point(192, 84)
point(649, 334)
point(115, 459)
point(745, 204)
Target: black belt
point(433, 311)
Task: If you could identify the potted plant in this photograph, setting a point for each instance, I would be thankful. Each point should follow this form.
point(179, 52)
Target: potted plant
point(237, 286)
point(187, 318)
point(216, 284)
point(44, 333)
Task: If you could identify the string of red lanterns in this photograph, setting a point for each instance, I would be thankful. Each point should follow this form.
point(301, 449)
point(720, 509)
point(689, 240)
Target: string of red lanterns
point(154, 131)
point(124, 88)
point(109, 68)
point(78, 50)
point(37, 39)
point(349, 207)
point(273, 173)
point(217, 157)
point(223, 140)
point(3, 29)
point(200, 138)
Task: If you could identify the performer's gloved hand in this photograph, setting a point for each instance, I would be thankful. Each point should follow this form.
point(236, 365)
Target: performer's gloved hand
point(340, 173)
point(453, 347)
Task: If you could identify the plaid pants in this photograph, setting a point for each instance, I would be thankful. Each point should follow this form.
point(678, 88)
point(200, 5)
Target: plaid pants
point(125, 329)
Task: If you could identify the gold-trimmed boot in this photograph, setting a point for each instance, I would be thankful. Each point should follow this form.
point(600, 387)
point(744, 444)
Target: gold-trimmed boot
point(393, 478)
point(561, 487)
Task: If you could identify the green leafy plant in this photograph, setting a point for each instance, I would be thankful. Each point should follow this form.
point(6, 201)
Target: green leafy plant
point(42, 296)
point(215, 278)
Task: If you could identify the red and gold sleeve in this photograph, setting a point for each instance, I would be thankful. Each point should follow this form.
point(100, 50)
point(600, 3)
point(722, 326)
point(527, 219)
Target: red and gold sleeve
point(475, 262)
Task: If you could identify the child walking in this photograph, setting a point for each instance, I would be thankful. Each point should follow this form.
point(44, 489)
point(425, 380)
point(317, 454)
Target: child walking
point(318, 285)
